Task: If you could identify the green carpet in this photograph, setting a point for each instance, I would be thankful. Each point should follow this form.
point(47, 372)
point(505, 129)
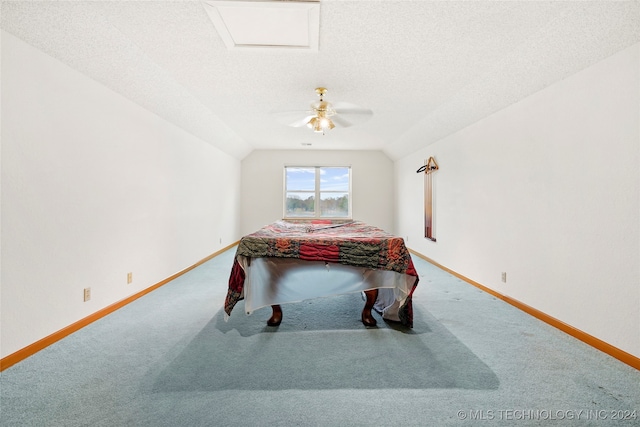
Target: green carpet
point(321, 344)
point(169, 359)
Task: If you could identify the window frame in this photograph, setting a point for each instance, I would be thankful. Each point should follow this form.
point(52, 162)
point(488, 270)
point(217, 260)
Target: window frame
point(317, 191)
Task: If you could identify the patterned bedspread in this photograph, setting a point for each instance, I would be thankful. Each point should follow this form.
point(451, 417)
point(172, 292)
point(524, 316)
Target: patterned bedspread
point(352, 243)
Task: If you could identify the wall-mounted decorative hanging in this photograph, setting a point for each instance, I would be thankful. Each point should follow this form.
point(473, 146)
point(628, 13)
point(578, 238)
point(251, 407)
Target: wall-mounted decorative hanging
point(428, 168)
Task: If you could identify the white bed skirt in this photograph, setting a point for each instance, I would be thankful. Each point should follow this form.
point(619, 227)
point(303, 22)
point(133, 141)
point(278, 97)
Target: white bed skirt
point(270, 281)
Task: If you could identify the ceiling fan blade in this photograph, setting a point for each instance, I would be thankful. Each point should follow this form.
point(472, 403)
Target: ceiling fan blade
point(351, 114)
point(341, 121)
point(347, 108)
point(300, 122)
point(292, 118)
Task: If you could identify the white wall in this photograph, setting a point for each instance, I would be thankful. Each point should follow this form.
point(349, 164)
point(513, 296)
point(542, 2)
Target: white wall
point(546, 190)
point(263, 184)
point(94, 187)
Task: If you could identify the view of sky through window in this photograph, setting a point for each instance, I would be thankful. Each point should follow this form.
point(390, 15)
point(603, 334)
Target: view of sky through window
point(334, 179)
point(301, 179)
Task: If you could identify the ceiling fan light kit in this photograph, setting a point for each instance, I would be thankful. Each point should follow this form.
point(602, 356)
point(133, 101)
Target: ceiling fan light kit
point(320, 124)
point(323, 109)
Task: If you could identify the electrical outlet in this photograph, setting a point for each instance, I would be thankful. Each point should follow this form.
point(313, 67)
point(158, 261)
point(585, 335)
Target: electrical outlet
point(221, 240)
point(504, 276)
point(129, 278)
point(87, 294)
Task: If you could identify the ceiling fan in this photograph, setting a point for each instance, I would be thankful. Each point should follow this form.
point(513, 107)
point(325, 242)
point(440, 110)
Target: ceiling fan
point(324, 115)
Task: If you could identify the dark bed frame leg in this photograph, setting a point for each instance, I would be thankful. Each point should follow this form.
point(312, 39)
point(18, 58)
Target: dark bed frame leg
point(367, 318)
point(371, 297)
point(276, 316)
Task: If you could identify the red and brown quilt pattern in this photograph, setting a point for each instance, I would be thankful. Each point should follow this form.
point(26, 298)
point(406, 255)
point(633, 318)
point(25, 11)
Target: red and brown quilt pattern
point(352, 243)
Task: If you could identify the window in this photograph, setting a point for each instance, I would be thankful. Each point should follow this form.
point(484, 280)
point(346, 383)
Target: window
point(317, 192)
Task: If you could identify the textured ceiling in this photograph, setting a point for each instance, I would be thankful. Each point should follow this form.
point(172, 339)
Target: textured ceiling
point(425, 68)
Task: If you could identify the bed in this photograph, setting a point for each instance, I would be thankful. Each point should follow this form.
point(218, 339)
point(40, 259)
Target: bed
point(292, 261)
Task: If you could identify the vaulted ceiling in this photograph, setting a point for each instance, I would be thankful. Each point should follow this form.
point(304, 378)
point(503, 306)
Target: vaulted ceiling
point(425, 68)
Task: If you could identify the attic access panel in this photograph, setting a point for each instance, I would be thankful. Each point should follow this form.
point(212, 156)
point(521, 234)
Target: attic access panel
point(266, 24)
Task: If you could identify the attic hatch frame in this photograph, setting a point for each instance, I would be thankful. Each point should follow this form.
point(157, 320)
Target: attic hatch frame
point(267, 24)
point(429, 168)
